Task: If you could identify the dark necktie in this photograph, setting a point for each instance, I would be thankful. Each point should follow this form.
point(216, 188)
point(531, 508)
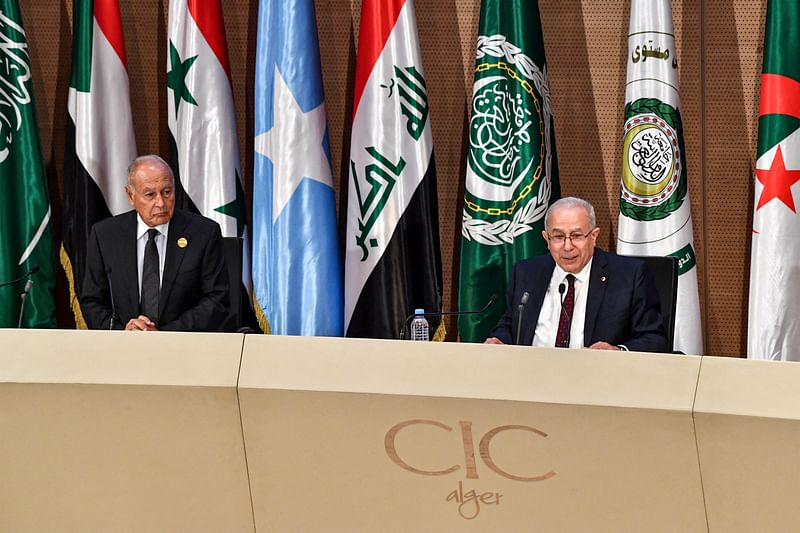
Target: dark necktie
point(151, 282)
point(565, 322)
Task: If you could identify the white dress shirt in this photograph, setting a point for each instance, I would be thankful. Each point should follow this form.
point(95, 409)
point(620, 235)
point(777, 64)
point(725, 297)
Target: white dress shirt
point(550, 314)
point(141, 242)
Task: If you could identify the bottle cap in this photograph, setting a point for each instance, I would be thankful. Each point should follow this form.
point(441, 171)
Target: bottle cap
point(419, 311)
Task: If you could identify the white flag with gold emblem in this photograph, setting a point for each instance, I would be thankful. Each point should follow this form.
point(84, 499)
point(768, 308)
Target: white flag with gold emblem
point(655, 214)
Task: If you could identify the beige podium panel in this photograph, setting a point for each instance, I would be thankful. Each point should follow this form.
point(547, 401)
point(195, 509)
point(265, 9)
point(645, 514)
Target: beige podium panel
point(120, 431)
point(364, 435)
point(748, 437)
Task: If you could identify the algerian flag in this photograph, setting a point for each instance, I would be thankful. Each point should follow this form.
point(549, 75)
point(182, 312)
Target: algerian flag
point(100, 143)
point(512, 173)
point(392, 255)
point(655, 215)
point(204, 146)
point(774, 313)
point(26, 239)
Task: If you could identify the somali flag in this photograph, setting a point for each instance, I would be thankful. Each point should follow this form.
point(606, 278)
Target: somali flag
point(297, 280)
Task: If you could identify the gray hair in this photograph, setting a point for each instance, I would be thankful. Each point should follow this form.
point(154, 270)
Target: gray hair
point(569, 202)
point(143, 160)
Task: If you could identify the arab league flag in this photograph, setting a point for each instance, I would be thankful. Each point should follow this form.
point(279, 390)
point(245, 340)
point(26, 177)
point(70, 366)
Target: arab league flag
point(512, 172)
point(26, 239)
point(392, 256)
point(774, 313)
point(204, 146)
point(100, 143)
point(297, 277)
point(655, 215)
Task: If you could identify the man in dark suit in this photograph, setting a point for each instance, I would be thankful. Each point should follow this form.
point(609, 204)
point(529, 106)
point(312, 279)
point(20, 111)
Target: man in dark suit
point(155, 268)
point(579, 295)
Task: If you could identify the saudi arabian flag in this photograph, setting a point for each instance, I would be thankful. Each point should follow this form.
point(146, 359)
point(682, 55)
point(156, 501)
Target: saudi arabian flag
point(774, 313)
point(26, 241)
point(512, 173)
point(655, 215)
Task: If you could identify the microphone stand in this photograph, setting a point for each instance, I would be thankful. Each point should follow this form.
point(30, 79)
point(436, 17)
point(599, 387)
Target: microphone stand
point(520, 312)
point(24, 297)
point(33, 270)
point(111, 294)
point(410, 317)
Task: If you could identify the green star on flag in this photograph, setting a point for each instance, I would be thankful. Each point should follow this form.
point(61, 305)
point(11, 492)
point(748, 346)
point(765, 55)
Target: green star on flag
point(176, 78)
point(235, 208)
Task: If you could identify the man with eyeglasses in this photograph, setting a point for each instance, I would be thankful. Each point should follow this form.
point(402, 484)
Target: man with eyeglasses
point(579, 295)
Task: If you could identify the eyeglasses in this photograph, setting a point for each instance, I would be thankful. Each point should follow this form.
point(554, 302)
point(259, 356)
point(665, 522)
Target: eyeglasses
point(576, 238)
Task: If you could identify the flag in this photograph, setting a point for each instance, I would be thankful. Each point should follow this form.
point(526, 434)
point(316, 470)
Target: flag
point(26, 239)
point(204, 146)
point(512, 171)
point(100, 143)
point(392, 256)
point(297, 276)
point(655, 214)
point(774, 312)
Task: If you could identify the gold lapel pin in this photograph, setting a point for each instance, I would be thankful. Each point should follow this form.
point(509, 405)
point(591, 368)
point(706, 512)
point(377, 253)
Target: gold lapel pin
point(182, 242)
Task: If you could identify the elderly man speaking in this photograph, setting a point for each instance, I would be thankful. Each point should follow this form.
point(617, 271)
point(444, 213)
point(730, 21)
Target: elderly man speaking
point(579, 295)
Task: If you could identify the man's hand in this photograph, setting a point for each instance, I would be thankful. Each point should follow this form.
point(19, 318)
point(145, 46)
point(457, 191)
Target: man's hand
point(140, 323)
point(602, 345)
point(493, 340)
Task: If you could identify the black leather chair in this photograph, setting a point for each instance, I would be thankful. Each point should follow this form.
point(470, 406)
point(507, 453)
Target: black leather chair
point(665, 272)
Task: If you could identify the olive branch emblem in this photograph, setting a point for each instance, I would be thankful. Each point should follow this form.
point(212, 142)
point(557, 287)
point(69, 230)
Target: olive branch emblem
point(671, 116)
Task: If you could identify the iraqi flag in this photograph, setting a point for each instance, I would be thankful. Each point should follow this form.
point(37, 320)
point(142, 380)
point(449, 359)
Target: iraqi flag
point(100, 143)
point(655, 212)
point(204, 147)
point(392, 255)
point(774, 312)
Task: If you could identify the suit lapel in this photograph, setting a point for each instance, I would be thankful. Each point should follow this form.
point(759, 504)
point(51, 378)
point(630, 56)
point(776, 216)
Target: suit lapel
point(538, 290)
point(127, 265)
point(598, 278)
point(175, 254)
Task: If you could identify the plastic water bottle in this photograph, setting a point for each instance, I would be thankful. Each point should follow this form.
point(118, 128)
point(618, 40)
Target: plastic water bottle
point(419, 326)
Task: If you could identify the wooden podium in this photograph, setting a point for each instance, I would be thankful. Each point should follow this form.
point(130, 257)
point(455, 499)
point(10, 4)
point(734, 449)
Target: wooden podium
point(116, 431)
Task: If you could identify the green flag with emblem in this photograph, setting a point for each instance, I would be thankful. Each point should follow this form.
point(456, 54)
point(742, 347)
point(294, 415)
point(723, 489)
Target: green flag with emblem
point(512, 173)
point(26, 241)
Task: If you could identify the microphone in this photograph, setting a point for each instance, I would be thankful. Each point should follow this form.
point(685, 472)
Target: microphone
point(410, 317)
point(24, 297)
point(111, 293)
point(32, 271)
point(561, 289)
point(521, 311)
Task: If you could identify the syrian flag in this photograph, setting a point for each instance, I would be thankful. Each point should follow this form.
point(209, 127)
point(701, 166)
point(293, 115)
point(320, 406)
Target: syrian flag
point(655, 214)
point(100, 142)
point(774, 312)
point(392, 255)
point(204, 147)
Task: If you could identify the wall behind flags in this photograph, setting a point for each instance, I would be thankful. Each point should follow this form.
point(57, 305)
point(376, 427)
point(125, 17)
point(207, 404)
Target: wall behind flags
point(719, 52)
